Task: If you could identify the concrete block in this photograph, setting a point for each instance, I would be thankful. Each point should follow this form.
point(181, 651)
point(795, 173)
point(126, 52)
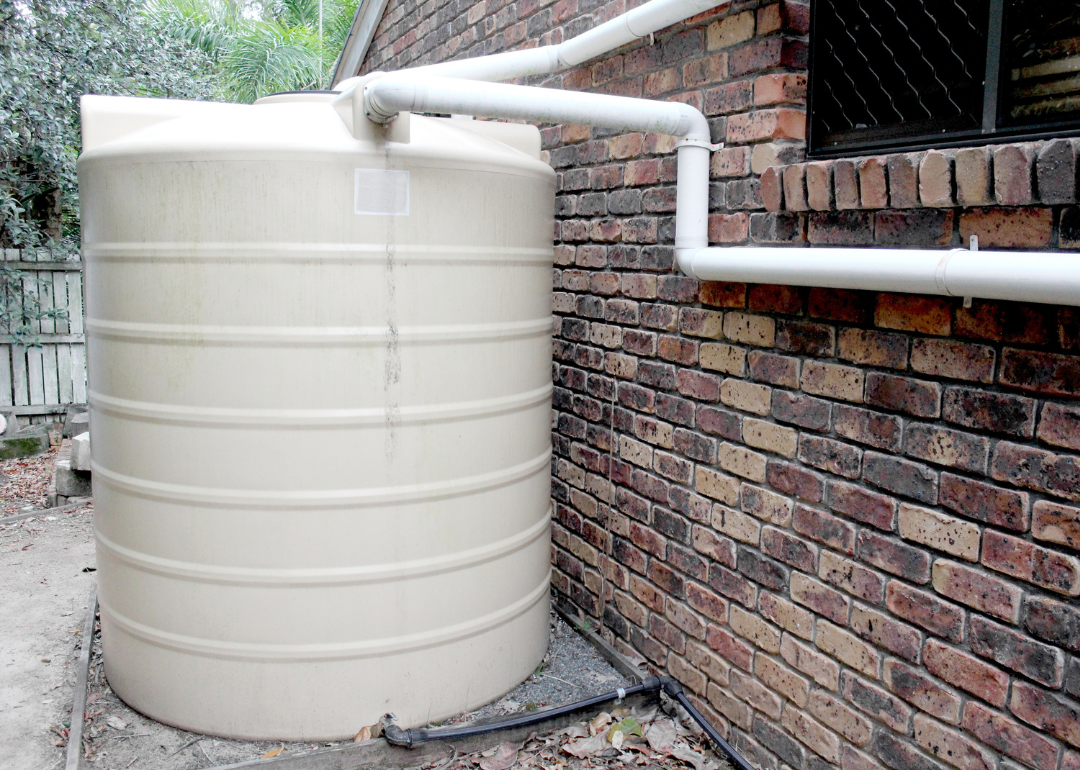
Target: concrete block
point(71, 483)
point(76, 422)
point(80, 452)
point(33, 440)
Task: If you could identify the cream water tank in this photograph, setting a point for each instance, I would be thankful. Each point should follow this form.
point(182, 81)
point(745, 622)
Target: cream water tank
point(320, 392)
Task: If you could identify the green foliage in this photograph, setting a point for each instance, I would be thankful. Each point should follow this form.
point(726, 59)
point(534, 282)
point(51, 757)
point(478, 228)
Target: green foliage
point(259, 48)
point(51, 53)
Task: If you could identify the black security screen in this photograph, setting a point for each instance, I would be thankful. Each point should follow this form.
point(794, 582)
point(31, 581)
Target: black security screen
point(907, 74)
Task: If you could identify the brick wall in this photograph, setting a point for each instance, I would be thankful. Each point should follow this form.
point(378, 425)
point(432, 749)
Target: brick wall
point(848, 522)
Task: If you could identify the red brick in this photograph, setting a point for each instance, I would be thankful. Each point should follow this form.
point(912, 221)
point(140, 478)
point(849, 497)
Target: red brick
point(728, 228)
point(1039, 662)
point(840, 305)
point(792, 480)
point(910, 312)
point(904, 180)
point(1037, 469)
point(873, 187)
point(873, 348)
point(722, 294)
point(767, 53)
point(641, 172)
point(862, 505)
point(1056, 172)
point(1071, 761)
point(1032, 563)
point(903, 394)
point(802, 410)
point(926, 610)
point(946, 447)
point(876, 702)
point(825, 528)
point(922, 691)
point(936, 179)
point(966, 672)
point(729, 647)
point(1014, 322)
point(1053, 622)
point(795, 188)
point(928, 227)
point(830, 455)
point(778, 228)
point(1009, 737)
point(1044, 373)
point(852, 759)
point(867, 427)
point(1046, 711)
point(993, 412)
point(772, 188)
point(707, 603)
point(1056, 523)
point(723, 99)
point(819, 189)
point(985, 502)
point(1060, 425)
point(846, 183)
point(857, 580)
point(840, 228)
point(1007, 228)
point(950, 358)
point(951, 746)
point(786, 88)
point(887, 633)
point(978, 590)
point(1013, 174)
point(768, 298)
point(894, 557)
point(973, 177)
point(901, 477)
point(775, 123)
point(809, 338)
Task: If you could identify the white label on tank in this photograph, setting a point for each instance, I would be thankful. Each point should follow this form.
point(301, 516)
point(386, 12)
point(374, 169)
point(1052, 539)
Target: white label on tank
point(382, 192)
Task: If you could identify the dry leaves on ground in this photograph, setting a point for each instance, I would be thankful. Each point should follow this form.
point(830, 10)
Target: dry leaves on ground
point(24, 482)
point(620, 739)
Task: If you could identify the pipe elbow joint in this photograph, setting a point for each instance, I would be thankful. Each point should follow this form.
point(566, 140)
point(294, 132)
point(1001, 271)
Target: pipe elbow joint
point(684, 258)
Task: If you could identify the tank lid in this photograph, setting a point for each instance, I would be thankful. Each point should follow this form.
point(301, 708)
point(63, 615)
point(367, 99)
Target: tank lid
point(291, 97)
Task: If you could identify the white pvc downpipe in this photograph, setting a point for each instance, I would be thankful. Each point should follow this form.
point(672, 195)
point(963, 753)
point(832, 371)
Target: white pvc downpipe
point(385, 95)
point(454, 87)
point(630, 26)
point(1052, 278)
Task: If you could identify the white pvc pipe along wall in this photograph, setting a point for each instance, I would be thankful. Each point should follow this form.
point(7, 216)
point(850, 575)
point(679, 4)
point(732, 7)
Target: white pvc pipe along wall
point(454, 87)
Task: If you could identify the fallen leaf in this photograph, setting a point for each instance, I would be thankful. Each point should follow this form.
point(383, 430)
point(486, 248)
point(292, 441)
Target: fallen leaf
point(273, 752)
point(599, 722)
point(504, 756)
point(587, 747)
point(617, 737)
point(65, 614)
point(116, 722)
point(364, 734)
point(662, 735)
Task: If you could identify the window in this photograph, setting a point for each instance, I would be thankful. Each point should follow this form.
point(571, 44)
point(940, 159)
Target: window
point(890, 75)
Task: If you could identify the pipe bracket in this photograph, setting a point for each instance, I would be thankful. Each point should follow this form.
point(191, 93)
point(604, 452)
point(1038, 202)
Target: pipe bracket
point(689, 142)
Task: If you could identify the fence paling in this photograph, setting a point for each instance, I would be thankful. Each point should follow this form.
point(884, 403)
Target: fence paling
point(45, 379)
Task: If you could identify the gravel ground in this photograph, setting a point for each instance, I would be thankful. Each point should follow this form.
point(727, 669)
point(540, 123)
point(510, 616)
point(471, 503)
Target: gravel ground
point(116, 736)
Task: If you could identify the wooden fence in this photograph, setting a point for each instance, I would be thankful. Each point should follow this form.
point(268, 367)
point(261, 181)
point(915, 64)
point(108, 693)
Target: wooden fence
point(44, 379)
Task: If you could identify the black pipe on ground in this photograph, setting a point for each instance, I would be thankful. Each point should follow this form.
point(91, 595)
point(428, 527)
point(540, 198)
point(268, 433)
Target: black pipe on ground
point(417, 735)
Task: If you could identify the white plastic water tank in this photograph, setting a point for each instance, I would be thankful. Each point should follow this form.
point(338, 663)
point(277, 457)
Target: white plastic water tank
point(320, 393)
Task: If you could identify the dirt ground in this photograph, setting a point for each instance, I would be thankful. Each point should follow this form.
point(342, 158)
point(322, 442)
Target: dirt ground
point(43, 595)
point(46, 573)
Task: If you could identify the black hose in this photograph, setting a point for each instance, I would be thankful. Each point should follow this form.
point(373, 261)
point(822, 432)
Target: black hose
point(673, 688)
point(416, 735)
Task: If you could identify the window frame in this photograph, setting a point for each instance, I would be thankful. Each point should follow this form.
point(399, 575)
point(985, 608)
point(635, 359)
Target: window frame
point(991, 132)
